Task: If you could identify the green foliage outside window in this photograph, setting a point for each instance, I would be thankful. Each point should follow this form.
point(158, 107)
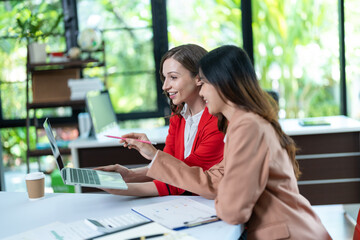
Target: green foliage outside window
point(126, 27)
point(352, 48)
point(296, 48)
point(208, 23)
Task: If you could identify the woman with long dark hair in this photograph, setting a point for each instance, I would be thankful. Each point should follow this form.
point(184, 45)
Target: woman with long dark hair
point(256, 183)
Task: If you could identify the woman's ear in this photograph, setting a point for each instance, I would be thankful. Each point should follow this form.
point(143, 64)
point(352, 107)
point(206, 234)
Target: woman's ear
point(197, 80)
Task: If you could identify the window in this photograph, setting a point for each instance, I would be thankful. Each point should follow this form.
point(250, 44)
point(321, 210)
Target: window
point(352, 48)
point(13, 47)
point(296, 51)
point(13, 55)
point(206, 23)
point(126, 28)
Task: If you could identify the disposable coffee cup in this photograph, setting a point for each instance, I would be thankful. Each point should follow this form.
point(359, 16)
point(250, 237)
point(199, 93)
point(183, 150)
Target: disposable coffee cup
point(35, 184)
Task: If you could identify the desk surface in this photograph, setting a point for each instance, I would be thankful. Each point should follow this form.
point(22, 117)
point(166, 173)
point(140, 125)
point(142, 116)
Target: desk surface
point(290, 127)
point(18, 214)
point(337, 124)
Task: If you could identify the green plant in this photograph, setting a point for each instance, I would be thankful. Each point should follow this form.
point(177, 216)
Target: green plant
point(37, 24)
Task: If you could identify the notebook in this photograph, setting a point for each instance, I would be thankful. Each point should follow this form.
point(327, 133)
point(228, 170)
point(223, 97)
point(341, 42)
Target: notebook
point(81, 176)
point(103, 117)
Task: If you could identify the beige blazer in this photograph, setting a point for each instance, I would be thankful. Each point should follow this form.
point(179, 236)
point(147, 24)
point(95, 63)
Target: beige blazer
point(253, 185)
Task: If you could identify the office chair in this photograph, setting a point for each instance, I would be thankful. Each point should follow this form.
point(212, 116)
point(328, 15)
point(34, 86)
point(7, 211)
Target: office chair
point(274, 95)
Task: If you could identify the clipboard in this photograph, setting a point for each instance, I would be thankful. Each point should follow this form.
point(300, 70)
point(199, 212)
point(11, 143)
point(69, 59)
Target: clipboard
point(179, 213)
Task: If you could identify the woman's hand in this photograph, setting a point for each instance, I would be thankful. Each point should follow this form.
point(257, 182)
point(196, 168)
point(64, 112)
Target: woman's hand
point(124, 172)
point(147, 150)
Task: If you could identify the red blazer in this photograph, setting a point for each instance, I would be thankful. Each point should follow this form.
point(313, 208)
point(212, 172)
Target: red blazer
point(207, 149)
point(356, 235)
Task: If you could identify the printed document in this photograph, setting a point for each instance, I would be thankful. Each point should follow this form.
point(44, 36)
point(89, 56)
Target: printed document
point(179, 213)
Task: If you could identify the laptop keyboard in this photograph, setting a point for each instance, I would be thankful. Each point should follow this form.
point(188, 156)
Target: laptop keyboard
point(89, 176)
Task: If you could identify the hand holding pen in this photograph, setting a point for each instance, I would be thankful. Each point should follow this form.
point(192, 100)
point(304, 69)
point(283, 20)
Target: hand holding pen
point(122, 138)
point(141, 143)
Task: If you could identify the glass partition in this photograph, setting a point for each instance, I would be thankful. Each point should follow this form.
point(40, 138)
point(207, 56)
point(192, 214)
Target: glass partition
point(208, 23)
point(296, 51)
point(352, 48)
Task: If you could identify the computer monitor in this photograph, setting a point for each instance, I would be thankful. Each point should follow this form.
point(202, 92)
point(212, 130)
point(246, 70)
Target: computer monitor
point(101, 111)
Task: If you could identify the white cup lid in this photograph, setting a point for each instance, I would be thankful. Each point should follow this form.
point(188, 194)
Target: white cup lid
point(34, 176)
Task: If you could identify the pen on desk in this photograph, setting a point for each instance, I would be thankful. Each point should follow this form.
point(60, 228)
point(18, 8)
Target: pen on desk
point(148, 236)
point(153, 143)
point(121, 229)
point(193, 224)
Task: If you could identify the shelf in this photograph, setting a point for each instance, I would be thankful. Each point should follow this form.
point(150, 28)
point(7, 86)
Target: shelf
point(44, 152)
point(49, 86)
point(64, 64)
point(74, 104)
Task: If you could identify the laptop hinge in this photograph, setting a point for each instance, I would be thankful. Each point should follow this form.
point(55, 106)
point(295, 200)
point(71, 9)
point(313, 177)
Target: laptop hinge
point(63, 173)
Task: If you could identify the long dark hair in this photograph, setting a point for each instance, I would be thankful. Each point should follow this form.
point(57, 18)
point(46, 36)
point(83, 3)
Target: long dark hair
point(230, 71)
point(188, 56)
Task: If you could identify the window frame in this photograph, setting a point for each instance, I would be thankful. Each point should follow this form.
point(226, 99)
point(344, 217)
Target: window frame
point(160, 42)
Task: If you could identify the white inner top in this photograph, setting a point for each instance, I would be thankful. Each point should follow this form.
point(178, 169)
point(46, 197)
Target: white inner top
point(191, 127)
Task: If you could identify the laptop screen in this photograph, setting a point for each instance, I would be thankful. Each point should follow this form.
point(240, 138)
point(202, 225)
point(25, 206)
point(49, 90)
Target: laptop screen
point(53, 145)
point(101, 110)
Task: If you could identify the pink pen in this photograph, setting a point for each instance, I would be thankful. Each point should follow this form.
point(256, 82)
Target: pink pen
point(153, 143)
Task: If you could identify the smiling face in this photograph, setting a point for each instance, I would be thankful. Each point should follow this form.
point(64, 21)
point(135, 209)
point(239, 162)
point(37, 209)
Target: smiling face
point(178, 83)
point(208, 92)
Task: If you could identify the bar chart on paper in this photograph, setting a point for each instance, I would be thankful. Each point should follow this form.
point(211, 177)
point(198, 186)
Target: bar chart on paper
point(179, 213)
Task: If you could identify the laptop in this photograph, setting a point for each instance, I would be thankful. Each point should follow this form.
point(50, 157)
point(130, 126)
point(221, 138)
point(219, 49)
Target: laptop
point(102, 115)
point(81, 176)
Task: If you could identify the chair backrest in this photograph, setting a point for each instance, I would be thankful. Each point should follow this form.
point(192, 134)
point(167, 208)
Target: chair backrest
point(274, 95)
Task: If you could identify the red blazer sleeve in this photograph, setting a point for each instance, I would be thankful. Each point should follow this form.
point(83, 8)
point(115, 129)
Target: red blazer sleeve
point(170, 145)
point(171, 138)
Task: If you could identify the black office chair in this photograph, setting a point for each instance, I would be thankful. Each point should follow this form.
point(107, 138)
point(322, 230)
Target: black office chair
point(274, 95)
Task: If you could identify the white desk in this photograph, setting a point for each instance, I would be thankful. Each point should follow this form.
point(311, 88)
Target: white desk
point(339, 124)
point(18, 214)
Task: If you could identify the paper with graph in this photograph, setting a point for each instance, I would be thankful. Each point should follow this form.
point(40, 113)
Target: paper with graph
point(179, 213)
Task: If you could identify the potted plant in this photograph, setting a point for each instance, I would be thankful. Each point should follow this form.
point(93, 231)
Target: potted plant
point(34, 27)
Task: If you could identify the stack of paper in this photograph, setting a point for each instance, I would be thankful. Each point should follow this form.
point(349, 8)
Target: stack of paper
point(79, 87)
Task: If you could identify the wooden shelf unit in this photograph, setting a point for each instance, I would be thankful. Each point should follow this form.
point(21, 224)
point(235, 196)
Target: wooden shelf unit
point(55, 68)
